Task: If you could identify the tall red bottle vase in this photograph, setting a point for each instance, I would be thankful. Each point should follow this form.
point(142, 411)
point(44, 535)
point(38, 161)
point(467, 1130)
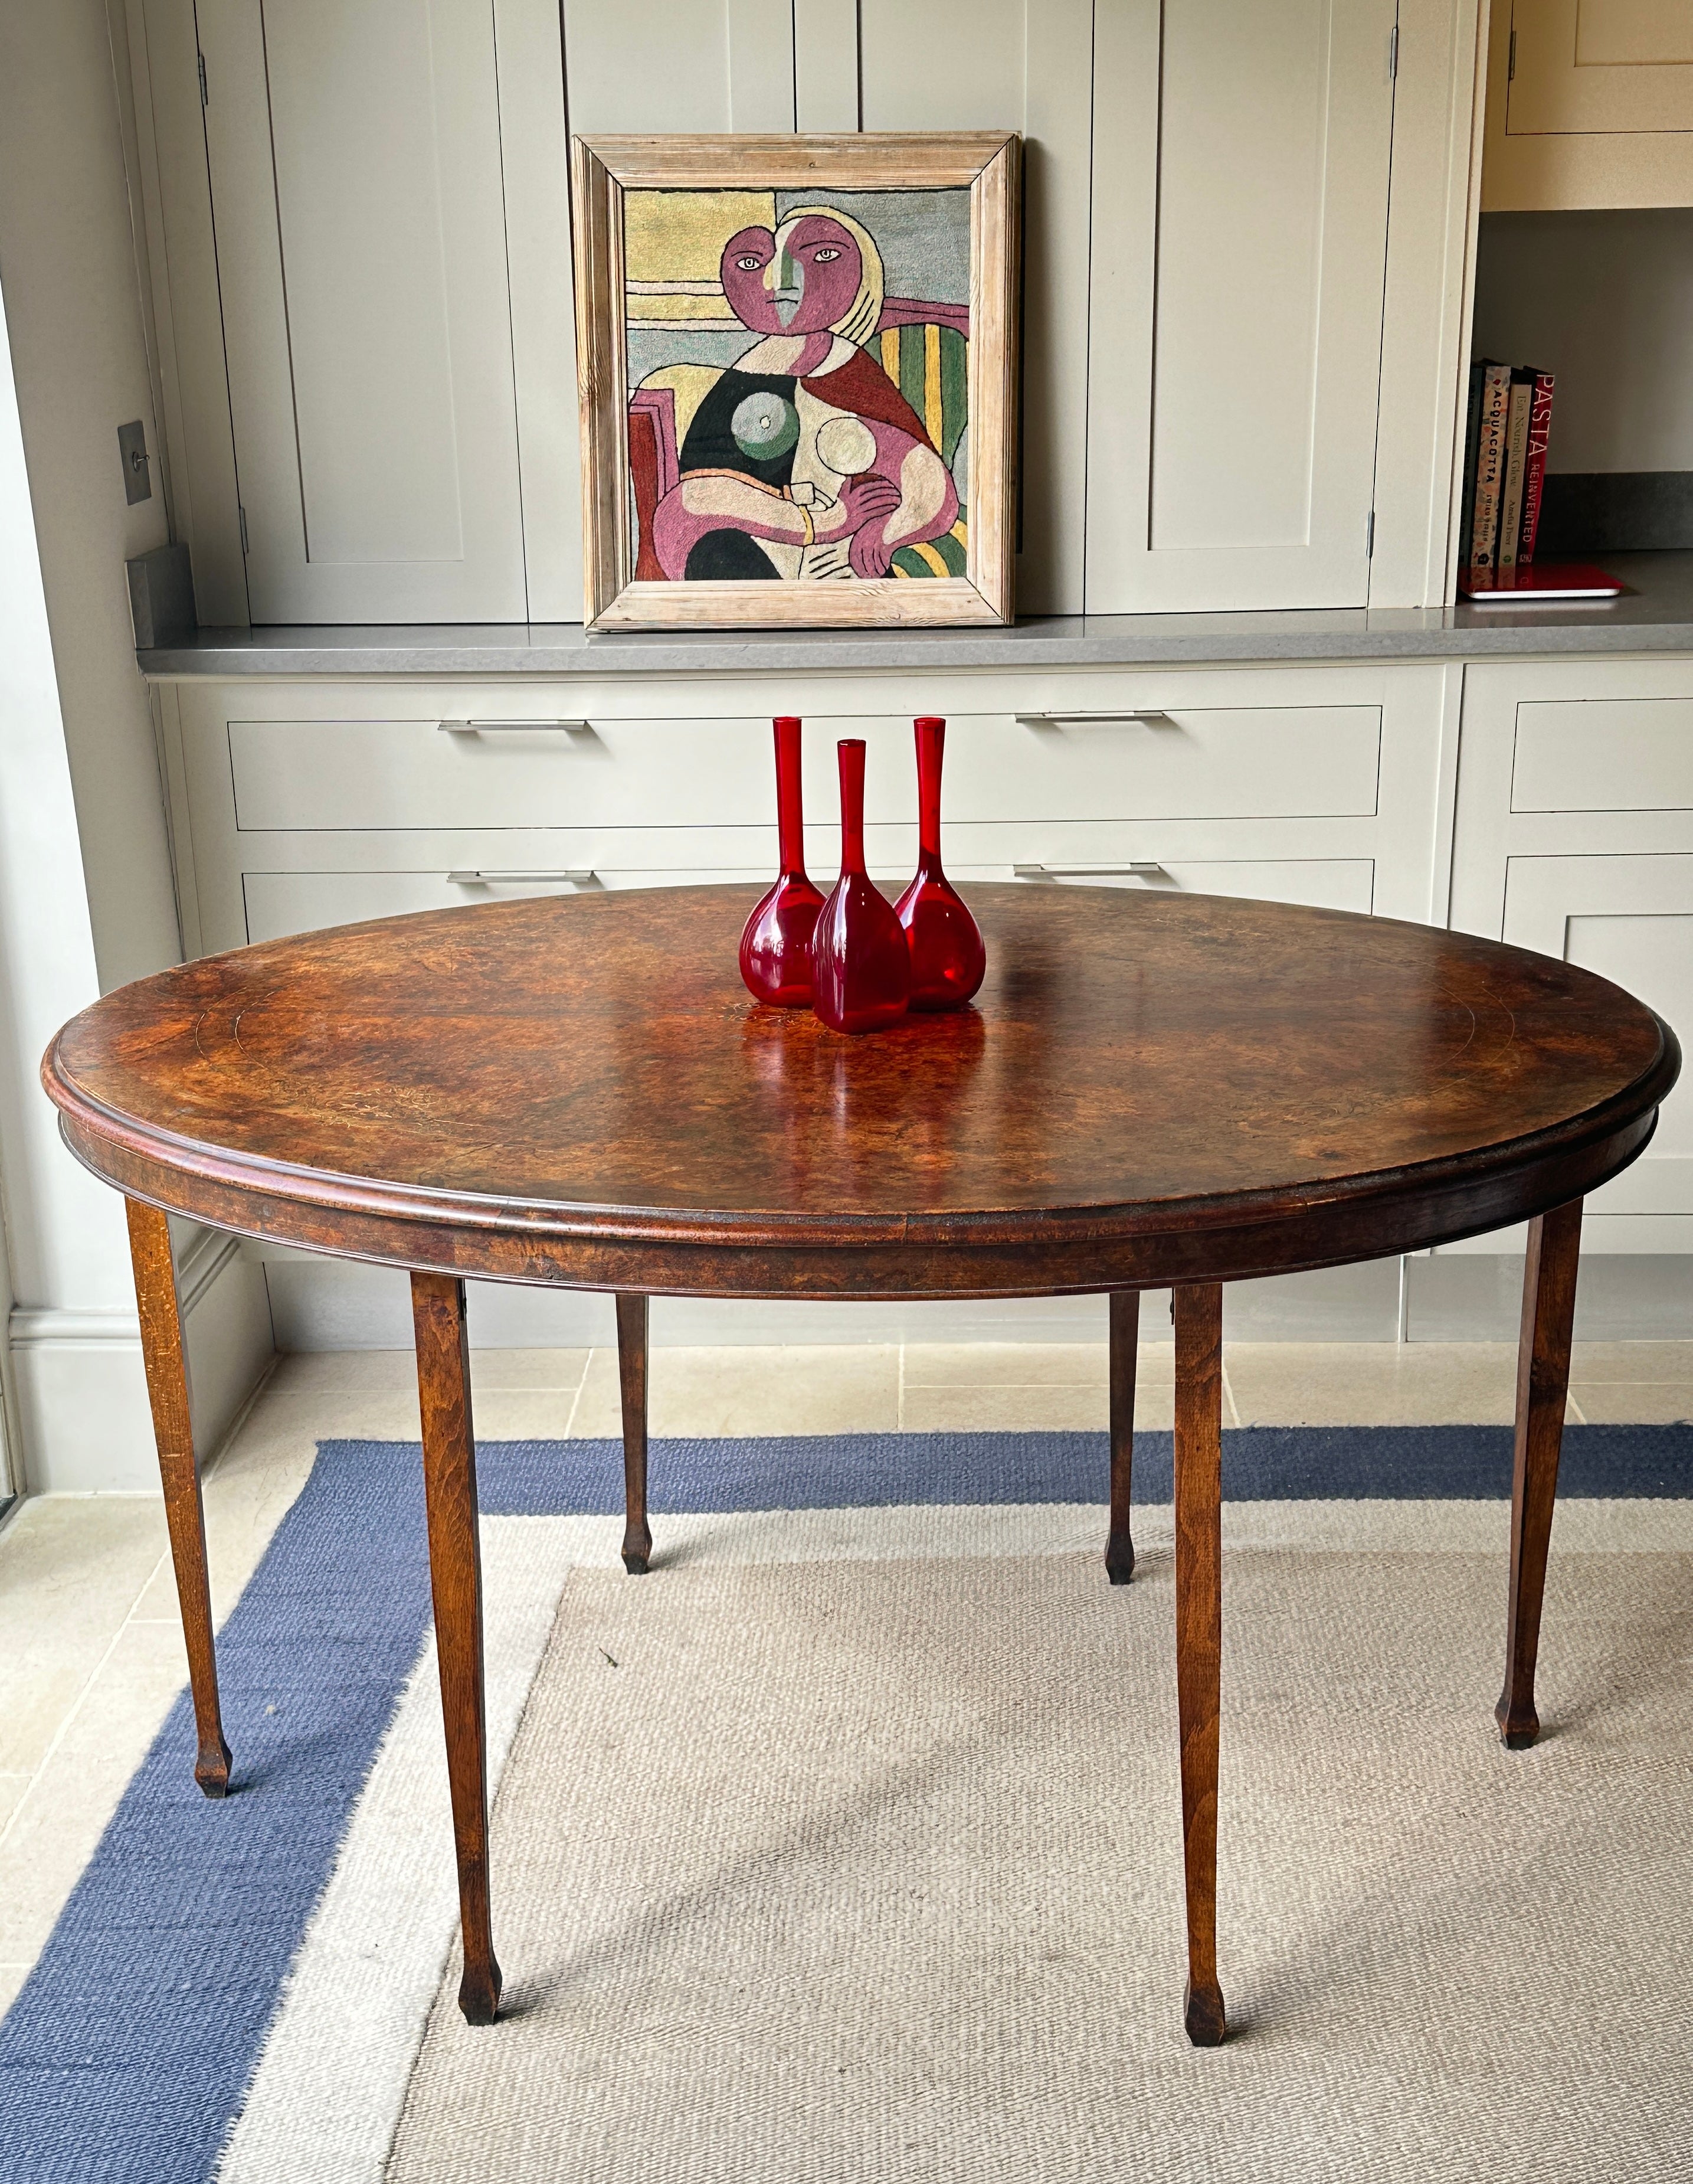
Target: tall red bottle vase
point(861, 965)
point(775, 945)
point(948, 958)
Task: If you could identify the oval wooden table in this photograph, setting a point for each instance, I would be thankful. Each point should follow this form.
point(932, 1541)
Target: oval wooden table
point(1152, 1089)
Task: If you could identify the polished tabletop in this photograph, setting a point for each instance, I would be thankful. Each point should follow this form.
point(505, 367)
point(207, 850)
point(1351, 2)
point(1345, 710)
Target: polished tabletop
point(550, 1072)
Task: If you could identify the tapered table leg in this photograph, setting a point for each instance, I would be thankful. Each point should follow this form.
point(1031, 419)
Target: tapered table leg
point(455, 1576)
point(1542, 1385)
point(1199, 1633)
point(1125, 1335)
point(167, 1388)
point(631, 1374)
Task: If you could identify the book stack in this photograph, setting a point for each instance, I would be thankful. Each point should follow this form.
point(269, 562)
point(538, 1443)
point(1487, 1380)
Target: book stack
point(1505, 464)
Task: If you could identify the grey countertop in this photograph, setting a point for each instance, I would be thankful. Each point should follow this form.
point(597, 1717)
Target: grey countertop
point(1655, 615)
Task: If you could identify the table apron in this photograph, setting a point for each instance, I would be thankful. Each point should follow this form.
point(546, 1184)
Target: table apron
point(1220, 1242)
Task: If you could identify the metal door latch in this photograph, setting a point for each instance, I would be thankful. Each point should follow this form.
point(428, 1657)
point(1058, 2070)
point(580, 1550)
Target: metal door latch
point(137, 472)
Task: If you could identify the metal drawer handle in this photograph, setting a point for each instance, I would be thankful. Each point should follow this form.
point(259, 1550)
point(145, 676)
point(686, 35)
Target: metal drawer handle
point(578, 877)
point(1147, 713)
point(514, 728)
point(1140, 869)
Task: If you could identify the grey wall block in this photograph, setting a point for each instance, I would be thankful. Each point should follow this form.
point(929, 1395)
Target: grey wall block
point(161, 597)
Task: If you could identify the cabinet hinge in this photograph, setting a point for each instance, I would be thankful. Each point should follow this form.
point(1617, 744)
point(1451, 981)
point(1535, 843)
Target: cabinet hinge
point(242, 513)
point(1369, 534)
point(1393, 54)
point(204, 100)
point(1511, 64)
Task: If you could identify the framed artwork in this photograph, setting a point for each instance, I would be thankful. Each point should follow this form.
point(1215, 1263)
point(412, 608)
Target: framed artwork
point(797, 370)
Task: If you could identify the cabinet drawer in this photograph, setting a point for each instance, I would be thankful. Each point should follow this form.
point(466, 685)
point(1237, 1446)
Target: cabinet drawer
point(370, 776)
point(1321, 882)
point(277, 903)
point(1604, 754)
point(1185, 762)
point(1201, 762)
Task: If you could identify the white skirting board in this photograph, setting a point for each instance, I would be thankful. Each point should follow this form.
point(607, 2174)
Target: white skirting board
point(82, 1392)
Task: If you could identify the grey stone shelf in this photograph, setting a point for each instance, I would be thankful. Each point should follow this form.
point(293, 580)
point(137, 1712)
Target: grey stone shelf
point(1656, 616)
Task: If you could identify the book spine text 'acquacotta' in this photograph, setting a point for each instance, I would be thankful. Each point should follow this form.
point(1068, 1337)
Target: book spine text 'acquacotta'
point(1489, 465)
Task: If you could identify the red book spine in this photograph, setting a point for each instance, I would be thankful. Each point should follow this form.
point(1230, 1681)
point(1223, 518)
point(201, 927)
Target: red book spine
point(1534, 474)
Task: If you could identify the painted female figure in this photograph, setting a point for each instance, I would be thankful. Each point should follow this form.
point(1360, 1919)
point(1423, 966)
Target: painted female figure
point(802, 460)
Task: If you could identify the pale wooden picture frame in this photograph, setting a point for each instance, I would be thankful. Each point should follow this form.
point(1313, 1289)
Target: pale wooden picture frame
point(603, 167)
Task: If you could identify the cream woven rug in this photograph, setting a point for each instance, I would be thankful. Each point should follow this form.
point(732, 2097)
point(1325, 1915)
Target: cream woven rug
point(870, 1868)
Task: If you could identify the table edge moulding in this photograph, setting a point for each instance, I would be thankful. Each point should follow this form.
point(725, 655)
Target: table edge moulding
point(1150, 1091)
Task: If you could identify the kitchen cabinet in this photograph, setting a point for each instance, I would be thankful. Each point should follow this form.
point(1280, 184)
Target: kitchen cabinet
point(1629, 918)
point(358, 238)
point(375, 199)
point(298, 804)
point(1590, 102)
point(1205, 251)
point(1241, 155)
point(1574, 837)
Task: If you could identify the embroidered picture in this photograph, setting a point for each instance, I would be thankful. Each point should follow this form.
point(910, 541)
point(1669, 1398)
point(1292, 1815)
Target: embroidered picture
point(796, 367)
point(799, 363)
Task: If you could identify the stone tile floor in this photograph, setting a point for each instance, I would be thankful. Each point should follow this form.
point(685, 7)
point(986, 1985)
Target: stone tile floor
point(91, 1653)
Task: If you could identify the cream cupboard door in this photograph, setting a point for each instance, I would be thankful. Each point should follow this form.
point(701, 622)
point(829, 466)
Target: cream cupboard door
point(682, 65)
point(356, 185)
point(1028, 66)
point(1599, 67)
point(1240, 170)
point(1629, 919)
point(1590, 102)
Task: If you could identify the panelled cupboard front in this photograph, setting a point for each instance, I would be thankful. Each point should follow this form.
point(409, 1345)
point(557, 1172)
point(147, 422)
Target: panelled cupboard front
point(1574, 837)
point(305, 805)
point(359, 231)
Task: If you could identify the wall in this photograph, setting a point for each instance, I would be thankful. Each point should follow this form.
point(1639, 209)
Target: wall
point(80, 360)
point(64, 1231)
point(1605, 299)
point(86, 893)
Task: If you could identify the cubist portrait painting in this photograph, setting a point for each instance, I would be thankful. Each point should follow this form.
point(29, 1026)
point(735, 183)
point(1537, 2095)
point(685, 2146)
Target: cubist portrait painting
point(797, 383)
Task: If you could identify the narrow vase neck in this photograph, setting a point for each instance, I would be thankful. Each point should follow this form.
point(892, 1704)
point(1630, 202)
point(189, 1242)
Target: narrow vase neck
point(852, 805)
point(931, 746)
point(790, 813)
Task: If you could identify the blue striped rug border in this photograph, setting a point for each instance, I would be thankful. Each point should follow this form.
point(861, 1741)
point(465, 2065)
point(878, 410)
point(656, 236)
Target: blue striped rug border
point(127, 2053)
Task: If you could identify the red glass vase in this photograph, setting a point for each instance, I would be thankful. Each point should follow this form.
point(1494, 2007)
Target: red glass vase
point(861, 965)
point(775, 946)
point(948, 958)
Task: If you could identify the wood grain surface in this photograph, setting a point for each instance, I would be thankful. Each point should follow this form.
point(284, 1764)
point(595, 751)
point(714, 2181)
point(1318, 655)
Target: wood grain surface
point(1198, 1636)
point(1124, 1315)
point(632, 1376)
point(167, 1387)
point(1549, 1275)
point(456, 1578)
point(1152, 1088)
point(876, 159)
